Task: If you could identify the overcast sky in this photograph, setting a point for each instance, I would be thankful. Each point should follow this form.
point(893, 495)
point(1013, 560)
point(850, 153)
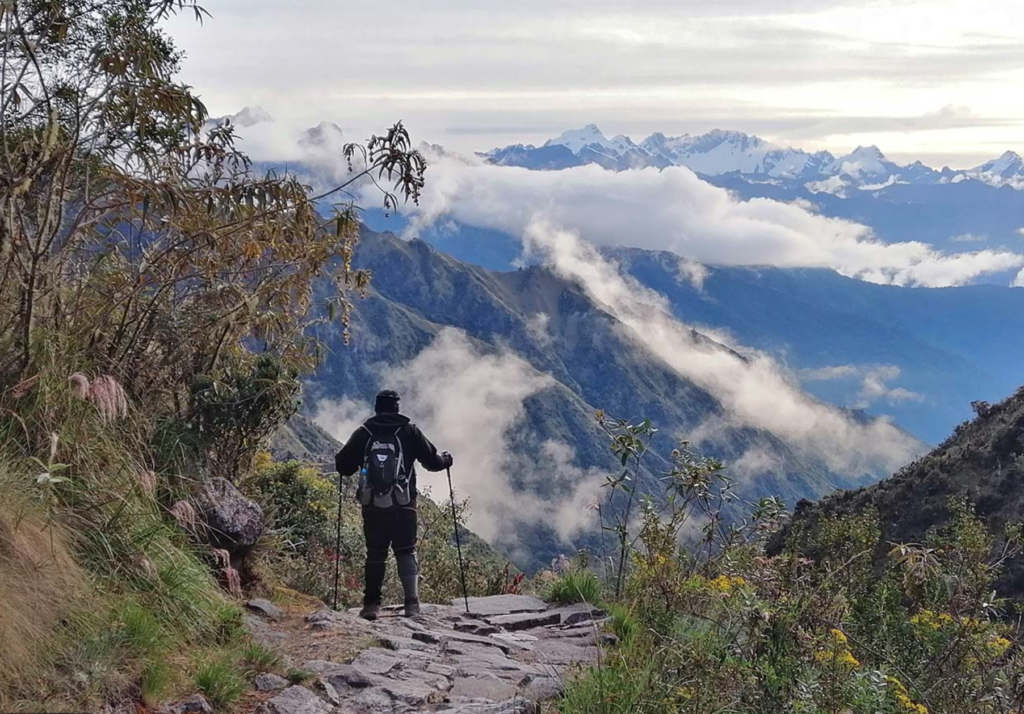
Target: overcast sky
point(938, 80)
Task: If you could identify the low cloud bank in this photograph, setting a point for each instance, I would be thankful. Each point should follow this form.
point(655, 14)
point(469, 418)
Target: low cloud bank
point(672, 209)
point(753, 389)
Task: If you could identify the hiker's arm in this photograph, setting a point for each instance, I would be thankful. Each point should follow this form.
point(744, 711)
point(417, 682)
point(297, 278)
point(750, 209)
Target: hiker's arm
point(426, 453)
point(350, 458)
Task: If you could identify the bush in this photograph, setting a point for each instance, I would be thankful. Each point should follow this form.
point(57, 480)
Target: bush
point(824, 627)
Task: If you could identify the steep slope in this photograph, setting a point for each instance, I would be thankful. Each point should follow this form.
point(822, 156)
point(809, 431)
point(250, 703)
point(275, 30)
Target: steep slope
point(950, 345)
point(591, 360)
point(983, 461)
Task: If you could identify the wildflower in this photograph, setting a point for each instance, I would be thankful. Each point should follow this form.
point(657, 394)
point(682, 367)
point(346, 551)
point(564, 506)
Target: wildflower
point(79, 385)
point(997, 646)
point(221, 557)
point(109, 397)
point(903, 699)
point(836, 651)
point(234, 581)
point(185, 514)
point(147, 482)
point(726, 584)
point(146, 566)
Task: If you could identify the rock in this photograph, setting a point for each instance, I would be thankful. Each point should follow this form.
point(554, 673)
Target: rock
point(476, 628)
point(473, 665)
point(542, 688)
point(581, 612)
point(526, 621)
point(560, 652)
point(429, 637)
point(196, 704)
point(503, 605)
point(269, 682)
point(486, 686)
point(233, 522)
point(345, 676)
point(326, 690)
point(295, 700)
point(265, 608)
point(512, 706)
point(375, 661)
point(443, 669)
point(396, 643)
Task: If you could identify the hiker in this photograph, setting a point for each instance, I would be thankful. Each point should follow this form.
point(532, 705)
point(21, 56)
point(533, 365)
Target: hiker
point(383, 451)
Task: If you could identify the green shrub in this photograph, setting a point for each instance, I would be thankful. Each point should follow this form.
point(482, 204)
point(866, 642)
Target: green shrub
point(828, 626)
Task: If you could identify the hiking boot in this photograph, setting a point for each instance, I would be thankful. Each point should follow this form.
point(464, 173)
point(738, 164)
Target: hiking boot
point(412, 608)
point(370, 611)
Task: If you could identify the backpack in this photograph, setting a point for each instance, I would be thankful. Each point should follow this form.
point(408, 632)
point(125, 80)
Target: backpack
point(383, 478)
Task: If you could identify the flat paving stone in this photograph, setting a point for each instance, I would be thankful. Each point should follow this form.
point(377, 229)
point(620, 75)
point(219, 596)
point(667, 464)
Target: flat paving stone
point(503, 605)
point(486, 686)
point(295, 700)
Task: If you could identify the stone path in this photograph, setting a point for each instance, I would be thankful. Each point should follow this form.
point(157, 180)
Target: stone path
point(509, 653)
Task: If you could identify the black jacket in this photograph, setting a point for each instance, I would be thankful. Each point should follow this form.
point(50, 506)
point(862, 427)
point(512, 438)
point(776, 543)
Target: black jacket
point(415, 447)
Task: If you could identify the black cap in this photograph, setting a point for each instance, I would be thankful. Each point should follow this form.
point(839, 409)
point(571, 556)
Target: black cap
point(386, 402)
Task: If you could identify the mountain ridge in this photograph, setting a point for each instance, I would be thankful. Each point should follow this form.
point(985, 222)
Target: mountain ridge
point(720, 152)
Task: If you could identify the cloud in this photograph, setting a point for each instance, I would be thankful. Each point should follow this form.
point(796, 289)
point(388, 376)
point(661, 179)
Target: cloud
point(472, 403)
point(672, 209)
point(753, 390)
point(759, 65)
point(340, 417)
point(874, 388)
point(969, 238)
point(873, 380)
point(692, 273)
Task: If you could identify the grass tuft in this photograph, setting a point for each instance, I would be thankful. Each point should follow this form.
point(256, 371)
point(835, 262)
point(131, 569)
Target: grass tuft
point(573, 586)
point(220, 680)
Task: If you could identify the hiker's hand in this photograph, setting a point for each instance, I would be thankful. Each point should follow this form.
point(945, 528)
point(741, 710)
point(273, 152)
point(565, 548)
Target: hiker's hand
point(448, 460)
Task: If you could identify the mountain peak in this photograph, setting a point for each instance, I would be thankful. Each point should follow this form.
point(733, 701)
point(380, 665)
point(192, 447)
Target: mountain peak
point(577, 139)
point(326, 134)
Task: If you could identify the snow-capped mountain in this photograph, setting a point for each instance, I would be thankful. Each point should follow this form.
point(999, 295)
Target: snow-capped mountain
point(1007, 170)
point(721, 153)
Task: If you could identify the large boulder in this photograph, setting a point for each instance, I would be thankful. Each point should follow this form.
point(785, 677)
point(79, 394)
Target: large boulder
point(233, 522)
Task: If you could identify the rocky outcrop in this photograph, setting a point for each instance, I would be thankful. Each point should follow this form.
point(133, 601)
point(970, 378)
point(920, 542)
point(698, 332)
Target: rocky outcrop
point(506, 655)
point(233, 522)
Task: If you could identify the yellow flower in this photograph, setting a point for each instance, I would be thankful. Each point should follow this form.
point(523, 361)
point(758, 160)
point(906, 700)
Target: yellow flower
point(997, 646)
point(726, 584)
point(839, 636)
point(903, 698)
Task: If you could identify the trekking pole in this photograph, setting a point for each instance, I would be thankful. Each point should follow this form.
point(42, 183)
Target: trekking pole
point(458, 541)
point(337, 543)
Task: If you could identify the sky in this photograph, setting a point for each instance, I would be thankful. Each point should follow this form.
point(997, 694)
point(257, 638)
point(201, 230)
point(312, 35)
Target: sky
point(936, 81)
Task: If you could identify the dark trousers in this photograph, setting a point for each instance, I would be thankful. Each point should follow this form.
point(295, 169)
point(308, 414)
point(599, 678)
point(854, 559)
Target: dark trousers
point(385, 528)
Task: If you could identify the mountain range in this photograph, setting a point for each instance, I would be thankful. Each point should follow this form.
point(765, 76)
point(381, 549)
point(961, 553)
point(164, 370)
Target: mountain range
point(719, 152)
